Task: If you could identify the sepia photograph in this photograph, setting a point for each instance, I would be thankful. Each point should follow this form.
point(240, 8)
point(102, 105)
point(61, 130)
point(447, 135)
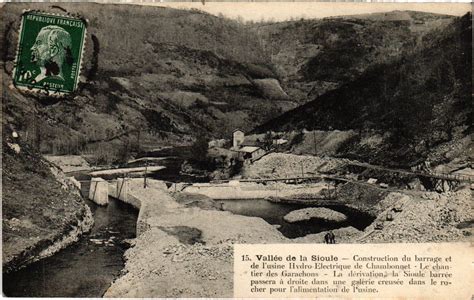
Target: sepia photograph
point(142, 141)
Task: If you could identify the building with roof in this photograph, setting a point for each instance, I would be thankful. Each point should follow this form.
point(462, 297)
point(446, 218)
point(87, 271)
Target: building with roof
point(249, 153)
point(252, 141)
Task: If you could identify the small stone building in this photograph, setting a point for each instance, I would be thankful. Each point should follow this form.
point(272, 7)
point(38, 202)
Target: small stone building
point(238, 137)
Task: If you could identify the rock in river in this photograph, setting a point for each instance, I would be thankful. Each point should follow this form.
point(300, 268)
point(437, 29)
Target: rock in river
point(316, 213)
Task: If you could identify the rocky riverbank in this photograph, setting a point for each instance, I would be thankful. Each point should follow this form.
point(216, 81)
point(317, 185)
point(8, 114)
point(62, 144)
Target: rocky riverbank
point(282, 165)
point(42, 211)
point(423, 217)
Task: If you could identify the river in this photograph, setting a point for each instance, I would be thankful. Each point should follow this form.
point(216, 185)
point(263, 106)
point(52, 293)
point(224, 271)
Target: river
point(84, 269)
point(172, 159)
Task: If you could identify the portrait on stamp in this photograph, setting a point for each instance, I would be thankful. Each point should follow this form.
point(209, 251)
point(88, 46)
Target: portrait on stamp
point(51, 50)
point(49, 53)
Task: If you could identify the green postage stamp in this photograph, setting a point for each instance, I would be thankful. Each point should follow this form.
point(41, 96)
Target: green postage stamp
point(49, 54)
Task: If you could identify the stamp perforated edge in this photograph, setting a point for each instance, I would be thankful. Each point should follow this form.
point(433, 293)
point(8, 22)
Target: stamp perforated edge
point(39, 91)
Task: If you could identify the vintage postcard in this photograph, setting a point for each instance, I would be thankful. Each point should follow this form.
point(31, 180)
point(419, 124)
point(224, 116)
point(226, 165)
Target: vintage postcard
point(251, 149)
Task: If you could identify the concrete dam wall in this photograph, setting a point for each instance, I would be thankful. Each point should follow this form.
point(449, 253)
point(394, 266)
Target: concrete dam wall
point(132, 191)
point(243, 190)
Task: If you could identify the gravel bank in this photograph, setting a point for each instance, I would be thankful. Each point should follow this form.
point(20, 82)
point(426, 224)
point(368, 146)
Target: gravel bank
point(316, 213)
point(249, 190)
point(425, 217)
point(69, 163)
point(281, 165)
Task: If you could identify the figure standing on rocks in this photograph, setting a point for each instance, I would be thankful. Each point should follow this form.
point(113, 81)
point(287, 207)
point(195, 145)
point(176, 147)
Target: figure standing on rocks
point(330, 238)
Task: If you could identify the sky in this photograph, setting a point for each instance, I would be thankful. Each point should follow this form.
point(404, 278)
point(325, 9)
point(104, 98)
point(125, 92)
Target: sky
point(280, 11)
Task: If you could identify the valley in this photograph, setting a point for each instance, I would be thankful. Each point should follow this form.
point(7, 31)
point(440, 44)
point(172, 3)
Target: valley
point(214, 131)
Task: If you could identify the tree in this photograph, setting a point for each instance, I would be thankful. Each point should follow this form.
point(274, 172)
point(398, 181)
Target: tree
point(137, 147)
point(124, 151)
point(267, 141)
point(200, 147)
point(38, 134)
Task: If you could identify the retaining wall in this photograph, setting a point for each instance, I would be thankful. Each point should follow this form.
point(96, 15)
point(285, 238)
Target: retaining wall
point(237, 191)
point(129, 190)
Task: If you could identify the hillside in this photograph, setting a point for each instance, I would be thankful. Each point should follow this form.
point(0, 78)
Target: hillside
point(183, 74)
point(412, 105)
point(42, 211)
point(314, 56)
point(156, 75)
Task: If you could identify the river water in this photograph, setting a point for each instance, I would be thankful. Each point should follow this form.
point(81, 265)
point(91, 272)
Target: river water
point(273, 213)
point(172, 159)
point(84, 269)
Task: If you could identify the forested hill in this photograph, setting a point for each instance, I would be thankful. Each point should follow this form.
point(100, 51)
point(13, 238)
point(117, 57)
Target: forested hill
point(159, 75)
point(314, 56)
point(155, 76)
point(417, 102)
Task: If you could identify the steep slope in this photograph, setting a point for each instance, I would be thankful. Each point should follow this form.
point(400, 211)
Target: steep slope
point(41, 210)
point(315, 56)
point(150, 74)
point(413, 104)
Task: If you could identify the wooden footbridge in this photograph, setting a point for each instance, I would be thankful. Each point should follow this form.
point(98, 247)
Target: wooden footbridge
point(435, 175)
point(435, 180)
